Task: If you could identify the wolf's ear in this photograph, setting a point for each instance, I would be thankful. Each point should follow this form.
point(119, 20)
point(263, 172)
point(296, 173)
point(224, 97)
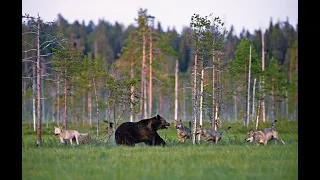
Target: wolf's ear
point(180, 120)
point(158, 116)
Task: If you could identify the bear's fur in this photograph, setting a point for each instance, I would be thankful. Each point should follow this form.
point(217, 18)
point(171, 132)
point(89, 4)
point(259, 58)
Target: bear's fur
point(145, 130)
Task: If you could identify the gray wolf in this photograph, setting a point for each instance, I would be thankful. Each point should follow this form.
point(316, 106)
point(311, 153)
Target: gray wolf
point(68, 134)
point(256, 137)
point(184, 132)
point(211, 134)
point(269, 134)
point(145, 130)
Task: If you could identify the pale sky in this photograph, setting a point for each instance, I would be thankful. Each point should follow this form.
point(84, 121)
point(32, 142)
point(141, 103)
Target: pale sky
point(248, 14)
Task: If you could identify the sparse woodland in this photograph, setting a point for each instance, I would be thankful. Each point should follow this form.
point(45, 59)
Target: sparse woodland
point(85, 74)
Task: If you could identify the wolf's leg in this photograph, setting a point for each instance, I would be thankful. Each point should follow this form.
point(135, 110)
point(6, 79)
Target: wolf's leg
point(70, 141)
point(61, 140)
point(216, 139)
point(282, 141)
point(279, 139)
point(77, 140)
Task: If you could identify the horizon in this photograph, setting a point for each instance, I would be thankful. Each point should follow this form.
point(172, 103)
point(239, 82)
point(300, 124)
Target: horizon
point(259, 15)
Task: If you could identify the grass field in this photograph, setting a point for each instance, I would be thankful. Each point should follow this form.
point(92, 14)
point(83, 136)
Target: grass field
point(232, 158)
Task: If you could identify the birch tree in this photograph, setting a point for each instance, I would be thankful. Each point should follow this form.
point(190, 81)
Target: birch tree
point(176, 91)
point(248, 96)
point(47, 40)
point(202, 38)
point(263, 109)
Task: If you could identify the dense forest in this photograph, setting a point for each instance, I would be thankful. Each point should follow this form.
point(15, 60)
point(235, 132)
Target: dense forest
point(104, 71)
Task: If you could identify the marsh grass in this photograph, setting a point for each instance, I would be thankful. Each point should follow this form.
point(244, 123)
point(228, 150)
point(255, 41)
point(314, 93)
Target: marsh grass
point(232, 158)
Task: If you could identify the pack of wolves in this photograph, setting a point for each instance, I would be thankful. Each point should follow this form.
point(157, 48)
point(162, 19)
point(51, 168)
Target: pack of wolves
point(145, 130)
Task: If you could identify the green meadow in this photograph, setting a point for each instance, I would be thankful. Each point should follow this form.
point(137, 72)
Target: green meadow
point(232, 158)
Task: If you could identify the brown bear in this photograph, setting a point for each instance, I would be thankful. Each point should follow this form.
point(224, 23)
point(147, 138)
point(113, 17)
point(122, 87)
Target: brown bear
point(145, 130)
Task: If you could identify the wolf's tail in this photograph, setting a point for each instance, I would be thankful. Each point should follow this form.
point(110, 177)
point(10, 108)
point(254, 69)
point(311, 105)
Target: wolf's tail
point(273, 124)
point(226, 129)
point(84, 134)
point(190, 126)
point(110, 123)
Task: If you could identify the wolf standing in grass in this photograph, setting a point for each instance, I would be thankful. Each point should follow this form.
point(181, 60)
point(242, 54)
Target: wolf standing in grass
point(184, 132)
point(211, 134)
point(145, 130)
point(68, 134)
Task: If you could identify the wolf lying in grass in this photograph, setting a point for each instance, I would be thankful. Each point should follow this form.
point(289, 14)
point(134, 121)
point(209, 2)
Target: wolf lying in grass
point(68, 134)
point(268, 134)
point(211, 134)
point(184, 132)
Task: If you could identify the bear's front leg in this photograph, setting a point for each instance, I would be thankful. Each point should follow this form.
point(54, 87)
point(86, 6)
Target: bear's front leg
point(155, 141)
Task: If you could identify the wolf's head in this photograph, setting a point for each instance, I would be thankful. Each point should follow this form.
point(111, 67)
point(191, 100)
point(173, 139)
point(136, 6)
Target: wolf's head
point(178, 124)
point(249, 137)
point(57, 130)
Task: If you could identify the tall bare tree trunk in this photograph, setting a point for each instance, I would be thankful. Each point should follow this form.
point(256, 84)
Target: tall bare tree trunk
point(263, 110)
point(24, 88)
point(42, 99)
point(39, 124)
point(184, 100)
point(176, 91)
point(89, 105)
point(97, 104)
point(213, 124)
point(248, 98)
point(65, 115)
point(150, 74)
point(195, 105)
point(34, 88)
point(108, 113)
point(58, 95)
point(201, 99)
point(83, 107)
point(258, 109)
point(272, 102)
point(53, 112)
point(145, 99)
point(132, 92)
point(132, 86)
point(218, 102)
point(253, 96)
point(143, 79)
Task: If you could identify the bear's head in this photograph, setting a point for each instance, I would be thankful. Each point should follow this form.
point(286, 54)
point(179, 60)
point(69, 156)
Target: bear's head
point(159, 122)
